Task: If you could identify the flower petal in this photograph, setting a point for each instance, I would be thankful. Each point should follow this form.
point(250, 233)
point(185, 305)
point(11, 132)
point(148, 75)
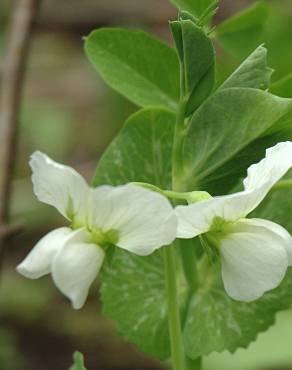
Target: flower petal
point(254, 260)
point(38, 262)
point(144, 220)
point(269, 170)
point(75, 267)
point(198, 218)
point(58, 185)
point(281, 231)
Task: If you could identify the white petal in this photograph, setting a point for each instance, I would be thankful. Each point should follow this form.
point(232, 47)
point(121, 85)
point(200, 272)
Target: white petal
point(38, 261)
point(198, 218)
point(281, 231)
point(254, 260)
point(269, 170)
point(75, 267)
point(144, 220)
point(58, 185)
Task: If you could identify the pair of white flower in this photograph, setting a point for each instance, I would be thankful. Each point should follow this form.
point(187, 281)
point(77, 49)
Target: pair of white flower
point(255, 253)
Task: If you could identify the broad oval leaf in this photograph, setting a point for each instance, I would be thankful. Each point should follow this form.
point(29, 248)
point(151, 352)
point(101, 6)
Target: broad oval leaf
point(133, 294)
point(224, 125)
point(229, 324)
point(197, 56)
point(277, 206)
point(199, 64)
point(141, 152)
point(252, 72)
point(226, 176)
point(137, 65)
point(215, 322)
point(133, 287)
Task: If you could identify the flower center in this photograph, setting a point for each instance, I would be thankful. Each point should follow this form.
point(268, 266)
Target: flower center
point(218, 230)
point(98, 236)
point(104, 238)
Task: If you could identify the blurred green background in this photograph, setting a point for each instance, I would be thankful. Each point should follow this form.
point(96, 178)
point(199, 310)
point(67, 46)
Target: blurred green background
point(69, 113)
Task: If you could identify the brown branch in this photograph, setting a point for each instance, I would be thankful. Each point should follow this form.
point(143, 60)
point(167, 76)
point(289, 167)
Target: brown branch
point(12, 78)
point(8, 231)
point(10, 97)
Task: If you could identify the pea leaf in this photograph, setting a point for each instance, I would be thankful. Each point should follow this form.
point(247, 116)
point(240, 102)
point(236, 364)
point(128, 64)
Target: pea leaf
point(277, 207)
point(241, 33)
point(224, 125)
point(195, 7)
point(229, 324)
point(137, 65)
point(78, 362)
point(197, 56)
point(212, 321)
point(227, 175)
point(253, 72)
point(141, 152)
point(133, 287)
point(215, 322)
point(133, 294)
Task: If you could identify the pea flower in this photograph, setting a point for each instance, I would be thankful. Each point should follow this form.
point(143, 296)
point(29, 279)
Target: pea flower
point(254, 253)
point(128, 216)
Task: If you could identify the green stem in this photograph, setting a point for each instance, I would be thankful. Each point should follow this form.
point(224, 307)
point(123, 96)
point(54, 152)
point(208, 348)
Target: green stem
point(179, 361)
point(189, 197)
point(174, 319)
point(189, 260)
point(177, 354)
point(179, 133)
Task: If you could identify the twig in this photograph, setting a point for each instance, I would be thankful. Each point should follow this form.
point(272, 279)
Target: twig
point(10, 97)
point(7, 231)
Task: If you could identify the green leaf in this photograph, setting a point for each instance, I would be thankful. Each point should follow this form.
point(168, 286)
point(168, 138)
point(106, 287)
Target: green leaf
point(195, 7)
point(199, 64)
point(215, 322)
point(241, 33)
point(277, 206)
point(137, 65)
point(224, 126)
point(212, 321)
point(197, 56)
point(253, 72)
point(133, 294)
point(133, 288)
point(141, 152)
point(226, 176)
point(283, 87)
point(78, 362)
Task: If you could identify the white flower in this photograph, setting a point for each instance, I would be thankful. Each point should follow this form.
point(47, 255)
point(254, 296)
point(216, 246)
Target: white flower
point(128, 216)
point(255, 253)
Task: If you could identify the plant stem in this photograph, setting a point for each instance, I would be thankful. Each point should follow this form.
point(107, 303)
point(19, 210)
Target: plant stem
point(189, 261)
point(190, 197)
point(177, 353)
point(179, 360)
point(179, 133)
point(174, 319)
